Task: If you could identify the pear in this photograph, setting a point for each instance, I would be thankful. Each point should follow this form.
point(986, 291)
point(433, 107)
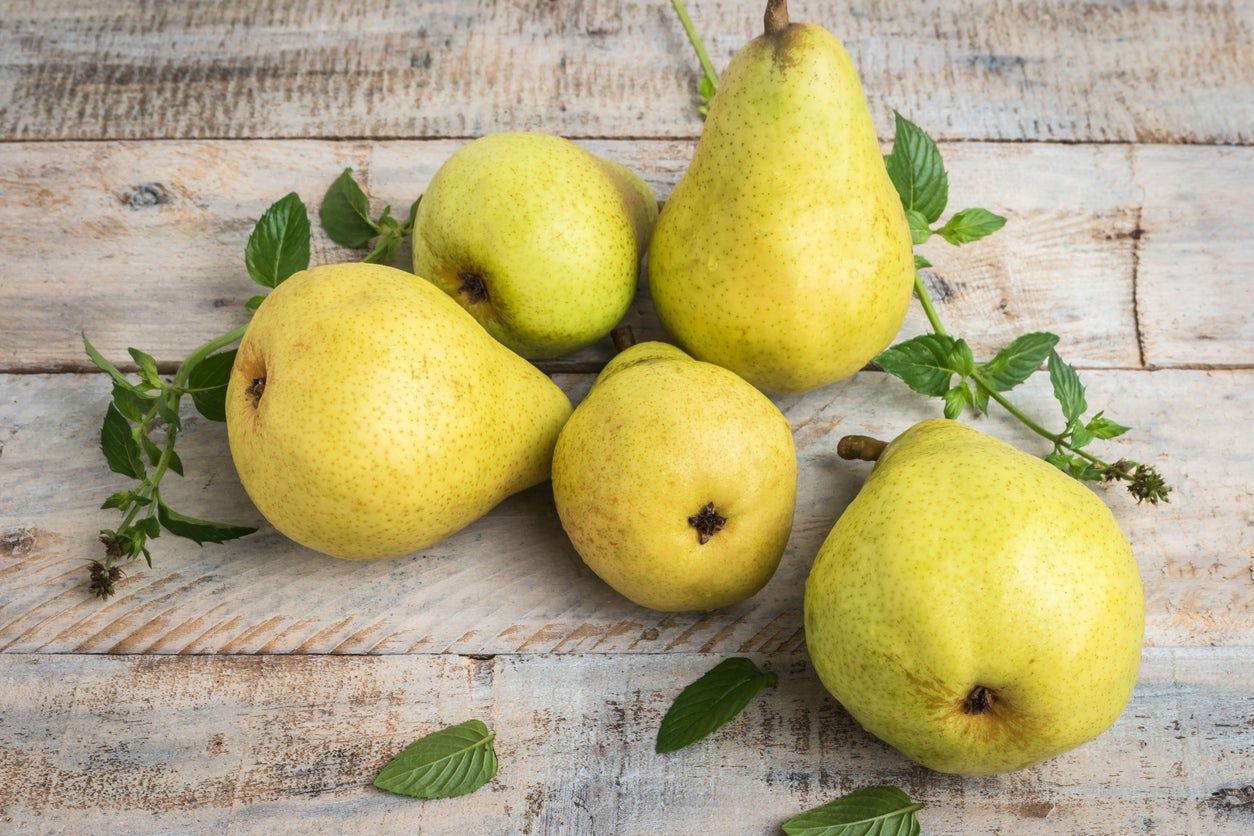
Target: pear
point(540, 240)
point(370, 416)
point(973, 606)
point(784, 253)
point(676, 481)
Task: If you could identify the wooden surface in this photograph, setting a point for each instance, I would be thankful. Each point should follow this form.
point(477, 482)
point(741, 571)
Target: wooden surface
point(264, 685)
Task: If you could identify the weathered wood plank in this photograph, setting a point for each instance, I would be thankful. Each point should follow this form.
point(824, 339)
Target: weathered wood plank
point(512, 583)
point(291, 744)
point(1194, 295)
point(141, 243)
point(967, 69)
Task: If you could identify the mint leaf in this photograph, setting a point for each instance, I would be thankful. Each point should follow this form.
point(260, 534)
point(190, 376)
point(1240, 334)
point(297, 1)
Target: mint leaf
point(207, 382)
point(920, 262)
point(118, 500)
point(960, 358)
point(131, 402)
point(104, 365)
point(711, 702)
point(1067, 387)
point(255, 302)
point(448, 763)
point(1018, 361)
point(413, 216)
point(345, 213)
point(956, 400)
point(916, 169)
point(279, 244)
point(1080, 436)
point(1103, 427)
point(147, 367)
point(878, 811)
point(705, 94)
point(979, 399)
point(168, 415)
point(919, 230)
point(119, 446)
point(970, 225)
point(922, 363)
point(200, 531)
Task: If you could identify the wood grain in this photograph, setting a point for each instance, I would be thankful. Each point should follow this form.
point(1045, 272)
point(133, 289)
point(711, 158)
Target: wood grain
point(287, 745)
point(140, 243)
point(1172, 71)
point(512, 583)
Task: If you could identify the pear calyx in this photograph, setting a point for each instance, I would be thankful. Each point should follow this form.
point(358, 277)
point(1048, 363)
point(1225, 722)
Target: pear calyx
point(473, 285)
point(979, 701)
point(708, 522)
point(775, 19)
point(255, 390)
point(860, 448)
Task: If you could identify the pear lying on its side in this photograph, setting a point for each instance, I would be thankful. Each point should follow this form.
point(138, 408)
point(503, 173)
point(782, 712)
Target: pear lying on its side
point(784, 254)
point(536, 237)
point(973, 606)
point(676, 481)
point(370, 416)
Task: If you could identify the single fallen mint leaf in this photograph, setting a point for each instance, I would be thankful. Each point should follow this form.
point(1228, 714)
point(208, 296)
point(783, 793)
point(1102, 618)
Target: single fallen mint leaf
point(451, 762)
point(712, 701)
point(884, 811)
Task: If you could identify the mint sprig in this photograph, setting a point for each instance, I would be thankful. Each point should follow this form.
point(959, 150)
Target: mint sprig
point(709, 703)
point(874, 810)
point(445, 764)
point(345, 216)
point(142, 423)
point(939, 365)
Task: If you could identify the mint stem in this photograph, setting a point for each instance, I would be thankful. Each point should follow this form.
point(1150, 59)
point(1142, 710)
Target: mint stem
point(693, 38)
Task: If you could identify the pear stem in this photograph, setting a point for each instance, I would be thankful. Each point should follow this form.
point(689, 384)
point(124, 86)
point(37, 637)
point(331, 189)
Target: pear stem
point(693, 38)
point(776, 18)
point(623, 338)
point(860, 448)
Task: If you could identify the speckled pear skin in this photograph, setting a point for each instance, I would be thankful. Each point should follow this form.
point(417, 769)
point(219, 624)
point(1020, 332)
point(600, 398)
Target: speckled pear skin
point(964, 562)
point(553, 233)
point(659, 437)
point(388, 420)
point(784, 254)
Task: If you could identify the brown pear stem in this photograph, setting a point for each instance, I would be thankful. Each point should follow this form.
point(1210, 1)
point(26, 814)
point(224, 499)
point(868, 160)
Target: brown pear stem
point(623, 338)
point(860, 448)
point(776, 17)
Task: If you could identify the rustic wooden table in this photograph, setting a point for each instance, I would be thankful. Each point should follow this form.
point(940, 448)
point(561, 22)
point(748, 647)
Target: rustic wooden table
point(258, 687)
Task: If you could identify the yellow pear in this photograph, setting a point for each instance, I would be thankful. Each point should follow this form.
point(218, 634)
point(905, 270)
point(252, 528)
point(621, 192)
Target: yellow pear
point(370, 416)
point(973, 606)
point(784, 253)
point(676, 481)
point(539, 239)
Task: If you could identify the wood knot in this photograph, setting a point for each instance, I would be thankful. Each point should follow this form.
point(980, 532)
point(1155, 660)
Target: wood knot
point(146, 195)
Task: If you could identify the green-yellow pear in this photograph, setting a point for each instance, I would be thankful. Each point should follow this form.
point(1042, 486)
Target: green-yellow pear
point(784, 254)
point(370, 416)
point(676, 481)
point(536, 237)
point(973, 606)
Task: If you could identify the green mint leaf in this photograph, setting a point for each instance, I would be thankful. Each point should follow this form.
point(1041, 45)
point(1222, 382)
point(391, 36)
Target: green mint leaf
point(167, 414)
point(117, 443)
point(207, 382)
point(149, 526)
point(175, 464)
point(920, 262)
point(279, 244)
point(150, 449)
point(919, 230)
point(1067, 387)
point(922, 363)
point(956, 400)
point(147, 367)
point(118, 500)
point(1018, 361)
point(1080, 436)
point(199, 531)
point(448, 763)
point(255, 302)
point(1102, 427)
point(345, 213)
point(413, 216)
point(970, 225)
point(104, 365)
point(916, 169)
point(979, 399)
point(132, 403)
point(874, 810)
point(960, 358)
point(715, 699)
